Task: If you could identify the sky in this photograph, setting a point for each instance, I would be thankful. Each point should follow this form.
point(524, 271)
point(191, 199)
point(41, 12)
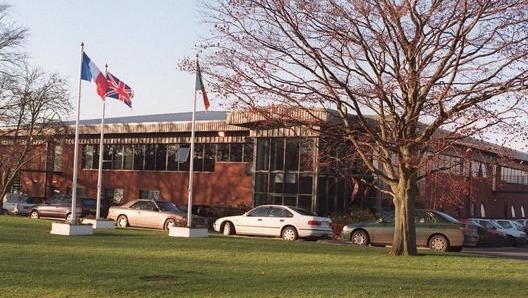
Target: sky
point(141, 41)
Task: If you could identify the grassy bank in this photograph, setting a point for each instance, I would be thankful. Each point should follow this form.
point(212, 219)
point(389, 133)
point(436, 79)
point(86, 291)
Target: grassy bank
point(149, 263)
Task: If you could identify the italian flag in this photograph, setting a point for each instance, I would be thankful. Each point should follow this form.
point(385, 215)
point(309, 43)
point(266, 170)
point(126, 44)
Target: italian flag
point(200, 85)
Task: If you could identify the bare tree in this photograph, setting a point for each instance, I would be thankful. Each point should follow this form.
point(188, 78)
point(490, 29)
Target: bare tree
point(11, 41)
point(32, 108)
point(416, 67)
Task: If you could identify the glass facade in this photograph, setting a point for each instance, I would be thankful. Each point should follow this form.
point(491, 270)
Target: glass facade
point(165, 157)
point(279, 176)
point(285, 174)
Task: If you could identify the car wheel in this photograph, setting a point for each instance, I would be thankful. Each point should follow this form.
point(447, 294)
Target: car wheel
point(438, 243)
point(122, 221)
point(229, 229)
point(290, 234)
point(511, 240)
point(360, 237)
point(170, 222)
point(34, 214)
point(68, 218)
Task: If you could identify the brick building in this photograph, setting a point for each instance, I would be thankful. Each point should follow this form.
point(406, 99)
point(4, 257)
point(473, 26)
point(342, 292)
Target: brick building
point(238, 162)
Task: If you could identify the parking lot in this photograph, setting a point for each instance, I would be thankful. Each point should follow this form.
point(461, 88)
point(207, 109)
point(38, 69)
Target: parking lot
point(513, 252)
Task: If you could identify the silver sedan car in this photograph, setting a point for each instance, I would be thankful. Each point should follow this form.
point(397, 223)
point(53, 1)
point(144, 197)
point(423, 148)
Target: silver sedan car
point(146, 213)
point(287, 222)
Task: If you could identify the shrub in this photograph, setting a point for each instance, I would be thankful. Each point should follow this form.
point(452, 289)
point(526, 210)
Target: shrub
point(229, 210)
point(341, 219)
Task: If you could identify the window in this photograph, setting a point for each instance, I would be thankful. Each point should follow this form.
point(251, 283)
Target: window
point(57, 161)
point(150, 157)
point(277, 154)
point(292, 154)
point(89, 158)
point(514, 176)
point(128, 157)
point(259, 212)
point(117, 157)
point(139, 157)
point(161, 157)
point(222, 152)
point(235, 152)
point(114, 195)
point(107, 156)
point(263, 154)
point(248, 152)
point(149, 194)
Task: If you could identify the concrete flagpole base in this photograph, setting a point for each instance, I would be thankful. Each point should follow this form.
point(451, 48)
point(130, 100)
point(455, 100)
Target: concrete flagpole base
point(188, 232)
point(99, 223)
point(68, 229)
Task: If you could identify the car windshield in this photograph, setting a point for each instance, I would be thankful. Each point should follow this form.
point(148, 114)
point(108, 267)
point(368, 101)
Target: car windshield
point(504, 224)
point(302, 211)
point(447, 217)
point(167, 206)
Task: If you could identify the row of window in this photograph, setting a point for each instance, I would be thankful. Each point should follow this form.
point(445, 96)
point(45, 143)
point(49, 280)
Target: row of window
point(165, 157)
point(514, 176)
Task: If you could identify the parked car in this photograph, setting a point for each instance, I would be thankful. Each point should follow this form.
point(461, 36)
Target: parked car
point(205, 211)
point(19, 204)
point(59, 207)
point(515, 236)
point(147, 213)
point(524, 223)
point(287, 222)
point(484, 236)
point(434, 229)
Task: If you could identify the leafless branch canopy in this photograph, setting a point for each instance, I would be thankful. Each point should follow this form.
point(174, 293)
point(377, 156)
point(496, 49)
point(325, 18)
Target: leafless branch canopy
point(416, 66)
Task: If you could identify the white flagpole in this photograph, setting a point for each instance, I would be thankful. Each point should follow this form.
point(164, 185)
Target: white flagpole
point(101, 153)
point(191, 162)
point(76, 147)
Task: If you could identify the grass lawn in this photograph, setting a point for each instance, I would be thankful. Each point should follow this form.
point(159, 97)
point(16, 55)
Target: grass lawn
point(149, 263)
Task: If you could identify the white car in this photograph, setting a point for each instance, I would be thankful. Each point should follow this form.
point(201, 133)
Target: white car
point(287, 222)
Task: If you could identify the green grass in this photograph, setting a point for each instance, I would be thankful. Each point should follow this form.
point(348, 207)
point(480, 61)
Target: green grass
point(149, 263)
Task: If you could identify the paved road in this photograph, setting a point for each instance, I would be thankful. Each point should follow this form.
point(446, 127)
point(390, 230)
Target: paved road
point(510, 252)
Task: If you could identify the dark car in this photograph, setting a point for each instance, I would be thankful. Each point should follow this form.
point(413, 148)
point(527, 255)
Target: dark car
point(205, 211)
point(59, 207)
point(434, 229)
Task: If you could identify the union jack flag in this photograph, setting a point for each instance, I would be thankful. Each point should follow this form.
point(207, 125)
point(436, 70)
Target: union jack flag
point(119, 90)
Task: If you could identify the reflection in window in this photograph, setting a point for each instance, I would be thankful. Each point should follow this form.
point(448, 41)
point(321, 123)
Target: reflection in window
point(277, 154)
point(57, 161)
point(263, 154)
point(139, 157)
point(117, 157)
point(150, 157)
point(222, 152)
point(235, 152)
point(128, 158)
point(161, 157)
point(107, 156)
point(88, 158)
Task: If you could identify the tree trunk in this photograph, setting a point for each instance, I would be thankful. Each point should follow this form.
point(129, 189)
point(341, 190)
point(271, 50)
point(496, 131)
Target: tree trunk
point(404, 241)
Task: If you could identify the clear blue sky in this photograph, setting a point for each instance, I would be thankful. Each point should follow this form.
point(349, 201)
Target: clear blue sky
point(141, 41)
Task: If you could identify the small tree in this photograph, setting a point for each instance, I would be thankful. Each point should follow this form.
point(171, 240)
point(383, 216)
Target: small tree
point(31, 103)
point(418, 76)
point(32, 108)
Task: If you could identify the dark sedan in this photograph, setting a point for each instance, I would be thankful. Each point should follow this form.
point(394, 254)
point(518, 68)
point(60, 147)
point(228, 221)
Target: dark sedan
point(434, 229)
point(59, 207)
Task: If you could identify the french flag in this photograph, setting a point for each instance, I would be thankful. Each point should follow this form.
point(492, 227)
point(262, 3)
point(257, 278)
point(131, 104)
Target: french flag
point(90, 71)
